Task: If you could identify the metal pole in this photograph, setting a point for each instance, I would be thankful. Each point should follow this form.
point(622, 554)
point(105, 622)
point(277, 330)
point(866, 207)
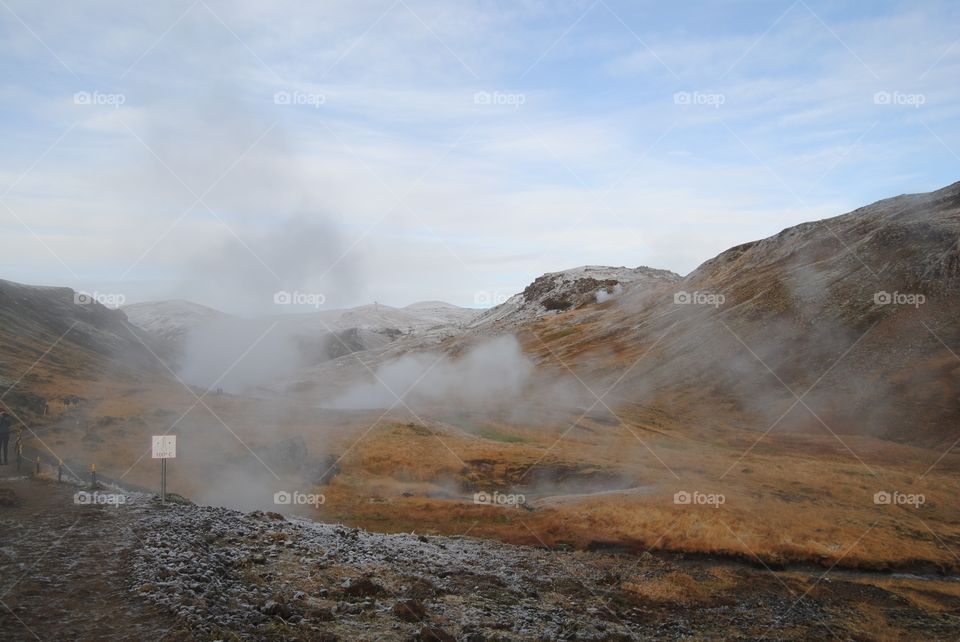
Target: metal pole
point(93, 474)
point(163, 481)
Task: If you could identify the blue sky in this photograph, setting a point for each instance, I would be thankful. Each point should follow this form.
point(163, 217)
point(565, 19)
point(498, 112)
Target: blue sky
point(409, 150)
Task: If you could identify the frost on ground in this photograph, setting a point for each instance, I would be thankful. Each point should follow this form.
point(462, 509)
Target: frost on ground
point(136, 569)
point(223, 570)
point(262, 575)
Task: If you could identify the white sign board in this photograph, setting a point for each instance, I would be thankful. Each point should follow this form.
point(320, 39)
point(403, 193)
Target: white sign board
point(164, 446)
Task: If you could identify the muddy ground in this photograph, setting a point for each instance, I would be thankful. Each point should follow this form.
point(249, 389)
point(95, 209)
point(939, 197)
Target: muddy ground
point(133, 569)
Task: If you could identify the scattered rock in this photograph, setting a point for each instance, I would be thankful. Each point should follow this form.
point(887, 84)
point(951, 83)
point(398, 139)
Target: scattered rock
point(410, 610)
point(275, 609)
point(320, 614)
point(362, 587)
point(218, 570)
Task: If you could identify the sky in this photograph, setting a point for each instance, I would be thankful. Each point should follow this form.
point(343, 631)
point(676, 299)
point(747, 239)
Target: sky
point(406, 150)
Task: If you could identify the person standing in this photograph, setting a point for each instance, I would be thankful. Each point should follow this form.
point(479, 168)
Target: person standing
point(4, 435)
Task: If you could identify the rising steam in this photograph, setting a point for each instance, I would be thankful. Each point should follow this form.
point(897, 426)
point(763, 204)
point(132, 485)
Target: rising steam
point(490, 374)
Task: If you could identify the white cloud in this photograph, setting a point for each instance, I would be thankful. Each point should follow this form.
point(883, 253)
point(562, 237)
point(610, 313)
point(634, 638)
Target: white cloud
point(510, 190)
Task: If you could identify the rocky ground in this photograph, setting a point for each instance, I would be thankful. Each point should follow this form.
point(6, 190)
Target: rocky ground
point(136, 569)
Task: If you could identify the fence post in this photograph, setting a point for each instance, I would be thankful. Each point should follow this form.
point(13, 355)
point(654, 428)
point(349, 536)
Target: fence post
point(38, 465)
point(93, 474)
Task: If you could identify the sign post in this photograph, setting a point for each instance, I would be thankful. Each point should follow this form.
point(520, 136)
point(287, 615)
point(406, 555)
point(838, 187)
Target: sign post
point(164, 448)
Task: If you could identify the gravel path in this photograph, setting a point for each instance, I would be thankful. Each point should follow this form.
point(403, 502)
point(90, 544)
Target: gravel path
point(61, 569)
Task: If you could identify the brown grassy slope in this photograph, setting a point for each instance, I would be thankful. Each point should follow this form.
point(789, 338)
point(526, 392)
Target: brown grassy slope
point(799, 315)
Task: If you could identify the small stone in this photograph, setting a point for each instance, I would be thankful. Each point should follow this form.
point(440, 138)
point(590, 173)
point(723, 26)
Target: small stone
point(362, 587)
point(320, 614)
point(410, 610)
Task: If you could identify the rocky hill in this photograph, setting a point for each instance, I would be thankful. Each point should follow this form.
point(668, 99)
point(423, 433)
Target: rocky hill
point(571, 289)
point(58, 339)
point(857, 311)
point(35, 314)
point(171, 320)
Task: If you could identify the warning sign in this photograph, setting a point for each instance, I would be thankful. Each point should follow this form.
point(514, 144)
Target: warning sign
point(164, 446)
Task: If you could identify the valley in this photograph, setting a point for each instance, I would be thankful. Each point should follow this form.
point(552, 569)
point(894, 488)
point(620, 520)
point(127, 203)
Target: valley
point(780, 422)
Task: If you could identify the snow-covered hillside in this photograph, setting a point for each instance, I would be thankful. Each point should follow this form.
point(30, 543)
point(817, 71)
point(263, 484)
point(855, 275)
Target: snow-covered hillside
point(171, 319)
point(413, 319)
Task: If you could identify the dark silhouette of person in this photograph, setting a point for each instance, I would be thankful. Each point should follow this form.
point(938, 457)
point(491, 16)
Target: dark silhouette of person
point(4, 435)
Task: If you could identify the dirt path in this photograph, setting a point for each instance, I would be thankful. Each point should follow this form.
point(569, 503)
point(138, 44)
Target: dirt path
point(63, 568)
